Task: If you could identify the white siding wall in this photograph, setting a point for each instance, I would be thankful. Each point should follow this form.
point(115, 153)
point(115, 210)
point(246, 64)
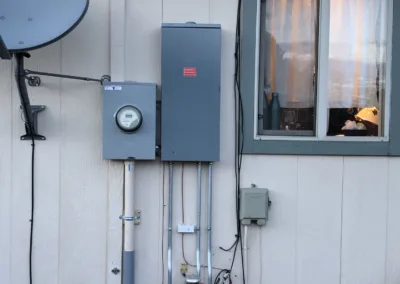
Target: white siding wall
point(333, 219)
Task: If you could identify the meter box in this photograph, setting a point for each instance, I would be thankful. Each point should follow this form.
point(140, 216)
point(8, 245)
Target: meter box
point(129, 121)
point(190, 108)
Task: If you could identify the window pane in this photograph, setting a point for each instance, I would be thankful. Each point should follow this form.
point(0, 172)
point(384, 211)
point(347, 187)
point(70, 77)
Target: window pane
point(287, 70)
point(357, 65)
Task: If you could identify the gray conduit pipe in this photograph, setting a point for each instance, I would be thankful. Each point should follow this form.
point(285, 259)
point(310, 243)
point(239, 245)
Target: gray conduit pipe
point(198, 265)
point(209, 223)
point(171, 171)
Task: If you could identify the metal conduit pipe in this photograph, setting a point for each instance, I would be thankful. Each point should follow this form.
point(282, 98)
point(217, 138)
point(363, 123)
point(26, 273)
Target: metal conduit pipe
point(171, 171)
point(198, 264)
point(209, 223)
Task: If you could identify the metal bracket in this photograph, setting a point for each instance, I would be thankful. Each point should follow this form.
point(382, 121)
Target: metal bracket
point(35, 111)
point(34, 81)
point(135, 218)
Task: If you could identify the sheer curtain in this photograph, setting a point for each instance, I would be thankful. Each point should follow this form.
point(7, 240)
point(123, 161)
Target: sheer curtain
point(356, 51)
point(290, 28)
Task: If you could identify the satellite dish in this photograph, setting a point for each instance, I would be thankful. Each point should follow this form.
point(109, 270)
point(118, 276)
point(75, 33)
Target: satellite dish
point(26, 25)
point(30, 24)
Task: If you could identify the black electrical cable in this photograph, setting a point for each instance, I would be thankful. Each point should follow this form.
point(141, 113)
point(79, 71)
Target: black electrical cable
point(217, 279)
point(32, 208)
point(239, 137)
point(231, 247)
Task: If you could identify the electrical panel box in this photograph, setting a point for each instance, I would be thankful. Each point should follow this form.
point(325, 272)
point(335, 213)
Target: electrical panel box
point(191, 76)
point(129, 121)
point(254, 204)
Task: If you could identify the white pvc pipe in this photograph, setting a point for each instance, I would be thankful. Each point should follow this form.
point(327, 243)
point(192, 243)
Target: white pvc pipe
point(128, 258)
point(245, 253)
point(129, 207)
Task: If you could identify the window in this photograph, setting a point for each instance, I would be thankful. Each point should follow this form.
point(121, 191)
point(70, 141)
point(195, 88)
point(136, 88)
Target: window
point(322, 77)
point(298, 38)
point(288, 62)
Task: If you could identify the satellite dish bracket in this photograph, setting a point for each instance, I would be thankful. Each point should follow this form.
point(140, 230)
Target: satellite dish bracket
point(35, 81)
point(35, 111)
point(30, 112)
point(16, 40)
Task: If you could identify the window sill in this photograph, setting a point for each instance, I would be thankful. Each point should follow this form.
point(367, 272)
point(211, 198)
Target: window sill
point(319, 139)
point(319, 147)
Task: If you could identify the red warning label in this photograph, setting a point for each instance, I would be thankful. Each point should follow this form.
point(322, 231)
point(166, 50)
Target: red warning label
point(189, 72)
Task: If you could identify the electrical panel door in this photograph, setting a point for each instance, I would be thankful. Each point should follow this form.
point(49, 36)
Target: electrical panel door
point(191, 76)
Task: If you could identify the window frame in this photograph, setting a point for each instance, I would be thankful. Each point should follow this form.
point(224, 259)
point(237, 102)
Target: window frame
point(387, 145)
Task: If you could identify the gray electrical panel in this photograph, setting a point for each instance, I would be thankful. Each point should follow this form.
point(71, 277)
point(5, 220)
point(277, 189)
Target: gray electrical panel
point(122, 144)
point(191, 76)
point(254, 204)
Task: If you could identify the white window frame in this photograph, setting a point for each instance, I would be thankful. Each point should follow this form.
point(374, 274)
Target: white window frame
point(322, 81)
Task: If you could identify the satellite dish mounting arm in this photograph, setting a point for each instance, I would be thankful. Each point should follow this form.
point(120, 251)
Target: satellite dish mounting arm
point(30, 112)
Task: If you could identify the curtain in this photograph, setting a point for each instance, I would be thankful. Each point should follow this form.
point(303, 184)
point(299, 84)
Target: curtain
point(357, 45)
point(290, 30)
point(356, 52)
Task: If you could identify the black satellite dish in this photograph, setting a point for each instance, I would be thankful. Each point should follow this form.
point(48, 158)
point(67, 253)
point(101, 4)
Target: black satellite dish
point(26, 25)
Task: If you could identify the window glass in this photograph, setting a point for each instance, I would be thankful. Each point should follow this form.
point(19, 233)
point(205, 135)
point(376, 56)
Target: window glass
point(357, 64)
point(288, 53)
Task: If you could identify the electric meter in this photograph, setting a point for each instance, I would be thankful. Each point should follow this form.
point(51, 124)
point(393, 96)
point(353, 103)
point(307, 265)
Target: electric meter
point(129, 119)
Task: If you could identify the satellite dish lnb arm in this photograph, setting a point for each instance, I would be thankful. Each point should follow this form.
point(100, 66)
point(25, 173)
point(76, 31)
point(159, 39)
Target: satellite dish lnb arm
point(34, 81)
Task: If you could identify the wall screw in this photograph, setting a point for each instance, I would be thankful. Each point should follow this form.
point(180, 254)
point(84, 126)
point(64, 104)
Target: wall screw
point(115, 270)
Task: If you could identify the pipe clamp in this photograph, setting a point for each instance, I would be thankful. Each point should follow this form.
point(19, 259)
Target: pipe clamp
point(135, 218)
point(129, 218)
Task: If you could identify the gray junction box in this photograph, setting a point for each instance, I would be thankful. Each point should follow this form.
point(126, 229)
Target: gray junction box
point(254, 205)
point(191, 76)
point(139, 144)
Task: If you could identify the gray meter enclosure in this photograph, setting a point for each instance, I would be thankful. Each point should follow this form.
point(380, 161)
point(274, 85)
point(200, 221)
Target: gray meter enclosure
point(117, 144)
point(190, 108)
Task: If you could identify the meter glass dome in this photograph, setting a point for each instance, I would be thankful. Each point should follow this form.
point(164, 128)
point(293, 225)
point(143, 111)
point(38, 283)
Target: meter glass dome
point(129, 118)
